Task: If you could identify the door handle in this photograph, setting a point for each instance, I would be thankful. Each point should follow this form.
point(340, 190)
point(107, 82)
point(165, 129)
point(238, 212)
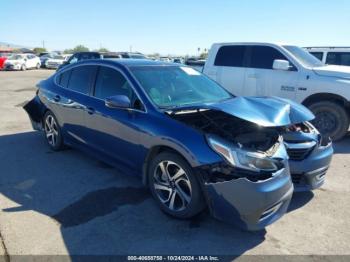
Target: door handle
point(56, 98)
point(90, 110)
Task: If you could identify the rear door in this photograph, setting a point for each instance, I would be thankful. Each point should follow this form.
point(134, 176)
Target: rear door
point(263, 80)
point(230, 70)
point(70, 102)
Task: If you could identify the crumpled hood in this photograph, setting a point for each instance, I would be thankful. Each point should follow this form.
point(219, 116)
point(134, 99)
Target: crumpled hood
point(333, 71)
point(264, 111)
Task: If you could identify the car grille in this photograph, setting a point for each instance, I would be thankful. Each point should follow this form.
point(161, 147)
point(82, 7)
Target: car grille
point(299, 151)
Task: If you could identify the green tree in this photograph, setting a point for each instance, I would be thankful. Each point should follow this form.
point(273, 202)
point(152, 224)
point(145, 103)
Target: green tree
point(39, 50)
point(102, 49)
point(78, 48)
point(203, 55)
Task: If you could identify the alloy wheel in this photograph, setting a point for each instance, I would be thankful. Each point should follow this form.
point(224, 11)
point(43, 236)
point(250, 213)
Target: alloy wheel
point(172, 185)
point(51, 130)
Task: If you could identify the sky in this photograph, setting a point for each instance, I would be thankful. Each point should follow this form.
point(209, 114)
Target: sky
point(177, 27)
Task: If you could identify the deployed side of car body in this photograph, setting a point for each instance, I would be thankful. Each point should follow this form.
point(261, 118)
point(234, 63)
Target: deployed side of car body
point(192, 142)
point(287, 71)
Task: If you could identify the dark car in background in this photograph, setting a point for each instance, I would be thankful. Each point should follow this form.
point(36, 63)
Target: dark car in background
point(193, 144)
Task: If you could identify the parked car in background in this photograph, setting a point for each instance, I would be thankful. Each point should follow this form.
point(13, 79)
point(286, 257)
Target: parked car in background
point(44, 57)
point(56, 61)
point(133, 55)
point(178, 60)
point(195, 63)
point(287, 71)
point(22, 62)
point(3, 58)
point(229, 154)
point(80, 56)
point(331, 55)
point(165, 59)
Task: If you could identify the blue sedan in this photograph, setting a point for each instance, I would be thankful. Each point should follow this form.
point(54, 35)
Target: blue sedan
point(193, 144)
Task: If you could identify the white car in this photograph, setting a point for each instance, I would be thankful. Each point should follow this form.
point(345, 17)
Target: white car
point(331, 55)
point(56, 61)
point(22, 62)
point(287, 71)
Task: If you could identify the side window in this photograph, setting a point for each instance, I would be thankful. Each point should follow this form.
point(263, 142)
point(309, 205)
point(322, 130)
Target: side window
point(230, 56)
point(81, 78)
point(110, 82)
point(63, 78)
point(338, 58)
point(318, 55)
point(263, 57)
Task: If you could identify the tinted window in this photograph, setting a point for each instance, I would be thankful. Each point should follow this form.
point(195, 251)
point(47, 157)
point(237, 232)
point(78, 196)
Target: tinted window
point(230, 56)
point(81, 78)
point(63, 78)
point(338, 58)
point(263, 57)
point(318, 55)
point(110, 82)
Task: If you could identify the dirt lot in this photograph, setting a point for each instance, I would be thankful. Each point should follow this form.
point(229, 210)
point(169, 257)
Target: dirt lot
point(69, 203)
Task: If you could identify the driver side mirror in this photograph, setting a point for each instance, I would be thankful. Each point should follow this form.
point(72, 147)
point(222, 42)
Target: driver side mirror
point(283, 65)
point(118, 101)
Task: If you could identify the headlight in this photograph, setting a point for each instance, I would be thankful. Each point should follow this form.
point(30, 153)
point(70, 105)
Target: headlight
point(240, 158)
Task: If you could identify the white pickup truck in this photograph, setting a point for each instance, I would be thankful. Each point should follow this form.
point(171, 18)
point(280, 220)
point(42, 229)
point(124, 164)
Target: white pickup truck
point(266, 69)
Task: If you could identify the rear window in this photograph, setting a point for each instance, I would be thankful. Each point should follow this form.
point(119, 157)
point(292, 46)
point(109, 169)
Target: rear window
point(81, 78)
point(230, 56)
point(338, 58)
point(263, 57)
point(63, 78)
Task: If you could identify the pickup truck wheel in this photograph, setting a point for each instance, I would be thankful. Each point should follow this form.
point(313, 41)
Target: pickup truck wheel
point(174, 186)
point(331, 119)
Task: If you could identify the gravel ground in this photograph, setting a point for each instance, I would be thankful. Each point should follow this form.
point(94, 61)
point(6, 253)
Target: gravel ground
point(68, 203)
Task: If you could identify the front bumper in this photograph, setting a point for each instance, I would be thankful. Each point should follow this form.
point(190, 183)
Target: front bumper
point(250, 205)
point(309, 173)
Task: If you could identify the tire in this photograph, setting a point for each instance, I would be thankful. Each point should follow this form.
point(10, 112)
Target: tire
point(53, 133)
point(331, 119)
point(37, 66)
point(184, 192)
point(23, 67)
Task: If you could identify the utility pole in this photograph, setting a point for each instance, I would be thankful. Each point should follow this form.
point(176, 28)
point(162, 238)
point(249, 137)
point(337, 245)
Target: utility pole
point(130, 47)
point(43, 43)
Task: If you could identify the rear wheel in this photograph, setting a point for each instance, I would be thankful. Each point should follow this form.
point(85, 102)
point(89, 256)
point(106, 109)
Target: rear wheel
point(331, 119)
point(53, 132)
point(174, 186)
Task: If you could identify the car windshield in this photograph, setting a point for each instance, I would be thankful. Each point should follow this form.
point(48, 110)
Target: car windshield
point(303, 56)
point(175, 86)
point(58, 57)
point(15, 57)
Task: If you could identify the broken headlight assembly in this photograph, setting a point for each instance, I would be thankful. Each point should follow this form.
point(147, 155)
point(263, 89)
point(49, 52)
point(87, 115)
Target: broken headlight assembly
point(241, 158)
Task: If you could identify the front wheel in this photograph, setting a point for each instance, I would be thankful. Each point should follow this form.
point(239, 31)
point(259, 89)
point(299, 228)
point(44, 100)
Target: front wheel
point(331, 119)
point(53, 132)
point(37, 66)
point(174, 186)
point(23, 67)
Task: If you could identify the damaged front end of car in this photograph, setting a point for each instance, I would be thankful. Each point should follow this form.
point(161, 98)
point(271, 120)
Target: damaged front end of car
point(251, 187)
